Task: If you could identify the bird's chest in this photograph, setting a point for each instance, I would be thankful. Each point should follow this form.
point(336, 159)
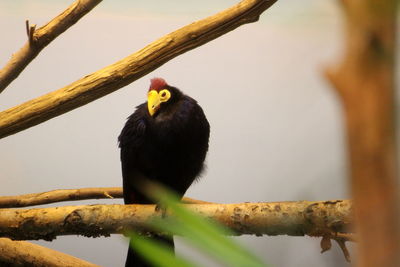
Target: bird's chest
point(177, 145)
point(170, 145)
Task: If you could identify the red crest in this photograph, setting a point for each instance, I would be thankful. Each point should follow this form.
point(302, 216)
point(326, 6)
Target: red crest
point(157, 84)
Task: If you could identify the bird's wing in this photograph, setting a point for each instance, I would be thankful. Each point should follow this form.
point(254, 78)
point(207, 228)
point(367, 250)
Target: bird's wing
point(131, 141)
point(133, 133)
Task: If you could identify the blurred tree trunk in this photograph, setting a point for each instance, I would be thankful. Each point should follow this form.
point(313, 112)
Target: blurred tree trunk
point(365, 82)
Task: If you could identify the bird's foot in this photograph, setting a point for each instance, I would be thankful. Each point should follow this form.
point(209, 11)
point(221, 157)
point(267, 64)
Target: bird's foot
point(161, 208)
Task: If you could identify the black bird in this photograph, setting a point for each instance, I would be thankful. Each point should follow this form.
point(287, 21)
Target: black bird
point(165, 141)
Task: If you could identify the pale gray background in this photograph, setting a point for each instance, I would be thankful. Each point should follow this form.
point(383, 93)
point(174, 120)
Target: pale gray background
point(276, 123)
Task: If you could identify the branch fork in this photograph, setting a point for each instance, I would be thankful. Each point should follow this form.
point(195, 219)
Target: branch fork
point(30, 31)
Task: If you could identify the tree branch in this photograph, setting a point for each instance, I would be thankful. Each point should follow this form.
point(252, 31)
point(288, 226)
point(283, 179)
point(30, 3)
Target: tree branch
point(59, 195)
point(70, 195)
point(129, 69)
point(40, 38)
point(365, 81)
point(22, 253)
point(278, 218)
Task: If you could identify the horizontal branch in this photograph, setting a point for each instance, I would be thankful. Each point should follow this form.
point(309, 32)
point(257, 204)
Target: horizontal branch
point(40, 38)
point(277, 218)
point(129, 69)
point(70, 195)
point(22, 253)
point(59, 195)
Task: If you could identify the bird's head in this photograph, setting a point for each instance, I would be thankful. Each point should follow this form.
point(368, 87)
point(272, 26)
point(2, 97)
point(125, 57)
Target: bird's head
point(160, 95)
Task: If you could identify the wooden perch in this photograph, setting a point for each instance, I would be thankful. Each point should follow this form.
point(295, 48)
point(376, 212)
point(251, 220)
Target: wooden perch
point(70, 195)
point(278, 218)
point(22, 253)
point(59, 195)
point(40, 38)
point(125, 71)
point(365, 82)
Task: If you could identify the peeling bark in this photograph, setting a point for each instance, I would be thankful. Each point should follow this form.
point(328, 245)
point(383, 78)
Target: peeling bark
point(276, 218)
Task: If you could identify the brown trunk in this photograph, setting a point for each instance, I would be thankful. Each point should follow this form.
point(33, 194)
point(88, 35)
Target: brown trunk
point(365, 82)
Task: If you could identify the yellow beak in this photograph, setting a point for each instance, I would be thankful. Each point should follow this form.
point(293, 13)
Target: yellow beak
point(153, 102)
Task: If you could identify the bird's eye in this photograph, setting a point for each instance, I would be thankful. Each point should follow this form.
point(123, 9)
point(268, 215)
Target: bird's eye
point(164, 95)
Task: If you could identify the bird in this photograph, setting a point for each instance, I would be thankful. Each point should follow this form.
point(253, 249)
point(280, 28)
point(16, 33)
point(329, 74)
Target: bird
point(164, 141)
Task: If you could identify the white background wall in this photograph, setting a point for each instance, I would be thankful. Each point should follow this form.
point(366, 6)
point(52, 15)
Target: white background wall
point(276, 123)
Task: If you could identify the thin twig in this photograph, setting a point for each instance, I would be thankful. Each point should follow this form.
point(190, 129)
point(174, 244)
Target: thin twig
point(346, 236)
point(341, 239)
point(30, 30)
point(40, 38)
point(70, 195)
point(342, 245)
point(125, 71)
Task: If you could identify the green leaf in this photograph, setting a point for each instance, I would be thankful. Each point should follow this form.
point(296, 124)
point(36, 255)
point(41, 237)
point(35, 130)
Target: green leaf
point(156, 253)
point(205, 234)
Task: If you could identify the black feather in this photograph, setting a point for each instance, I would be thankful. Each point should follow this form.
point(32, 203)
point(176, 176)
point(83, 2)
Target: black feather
point(168, 148)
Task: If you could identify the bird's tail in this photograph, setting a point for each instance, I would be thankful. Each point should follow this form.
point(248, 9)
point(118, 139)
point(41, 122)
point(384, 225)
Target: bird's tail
point(133, 259)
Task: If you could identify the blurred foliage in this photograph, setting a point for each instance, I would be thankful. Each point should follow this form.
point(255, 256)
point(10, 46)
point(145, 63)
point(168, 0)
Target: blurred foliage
point(206, 235)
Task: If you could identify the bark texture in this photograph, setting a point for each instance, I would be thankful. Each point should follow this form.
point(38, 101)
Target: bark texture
point(279, 218)
point(23, 254)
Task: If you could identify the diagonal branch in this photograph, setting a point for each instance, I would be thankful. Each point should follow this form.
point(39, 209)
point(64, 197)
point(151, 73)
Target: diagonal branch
point(70, 195)
point(129, 69)
point(277, 218)
point(22, 253)
point(40, 38)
